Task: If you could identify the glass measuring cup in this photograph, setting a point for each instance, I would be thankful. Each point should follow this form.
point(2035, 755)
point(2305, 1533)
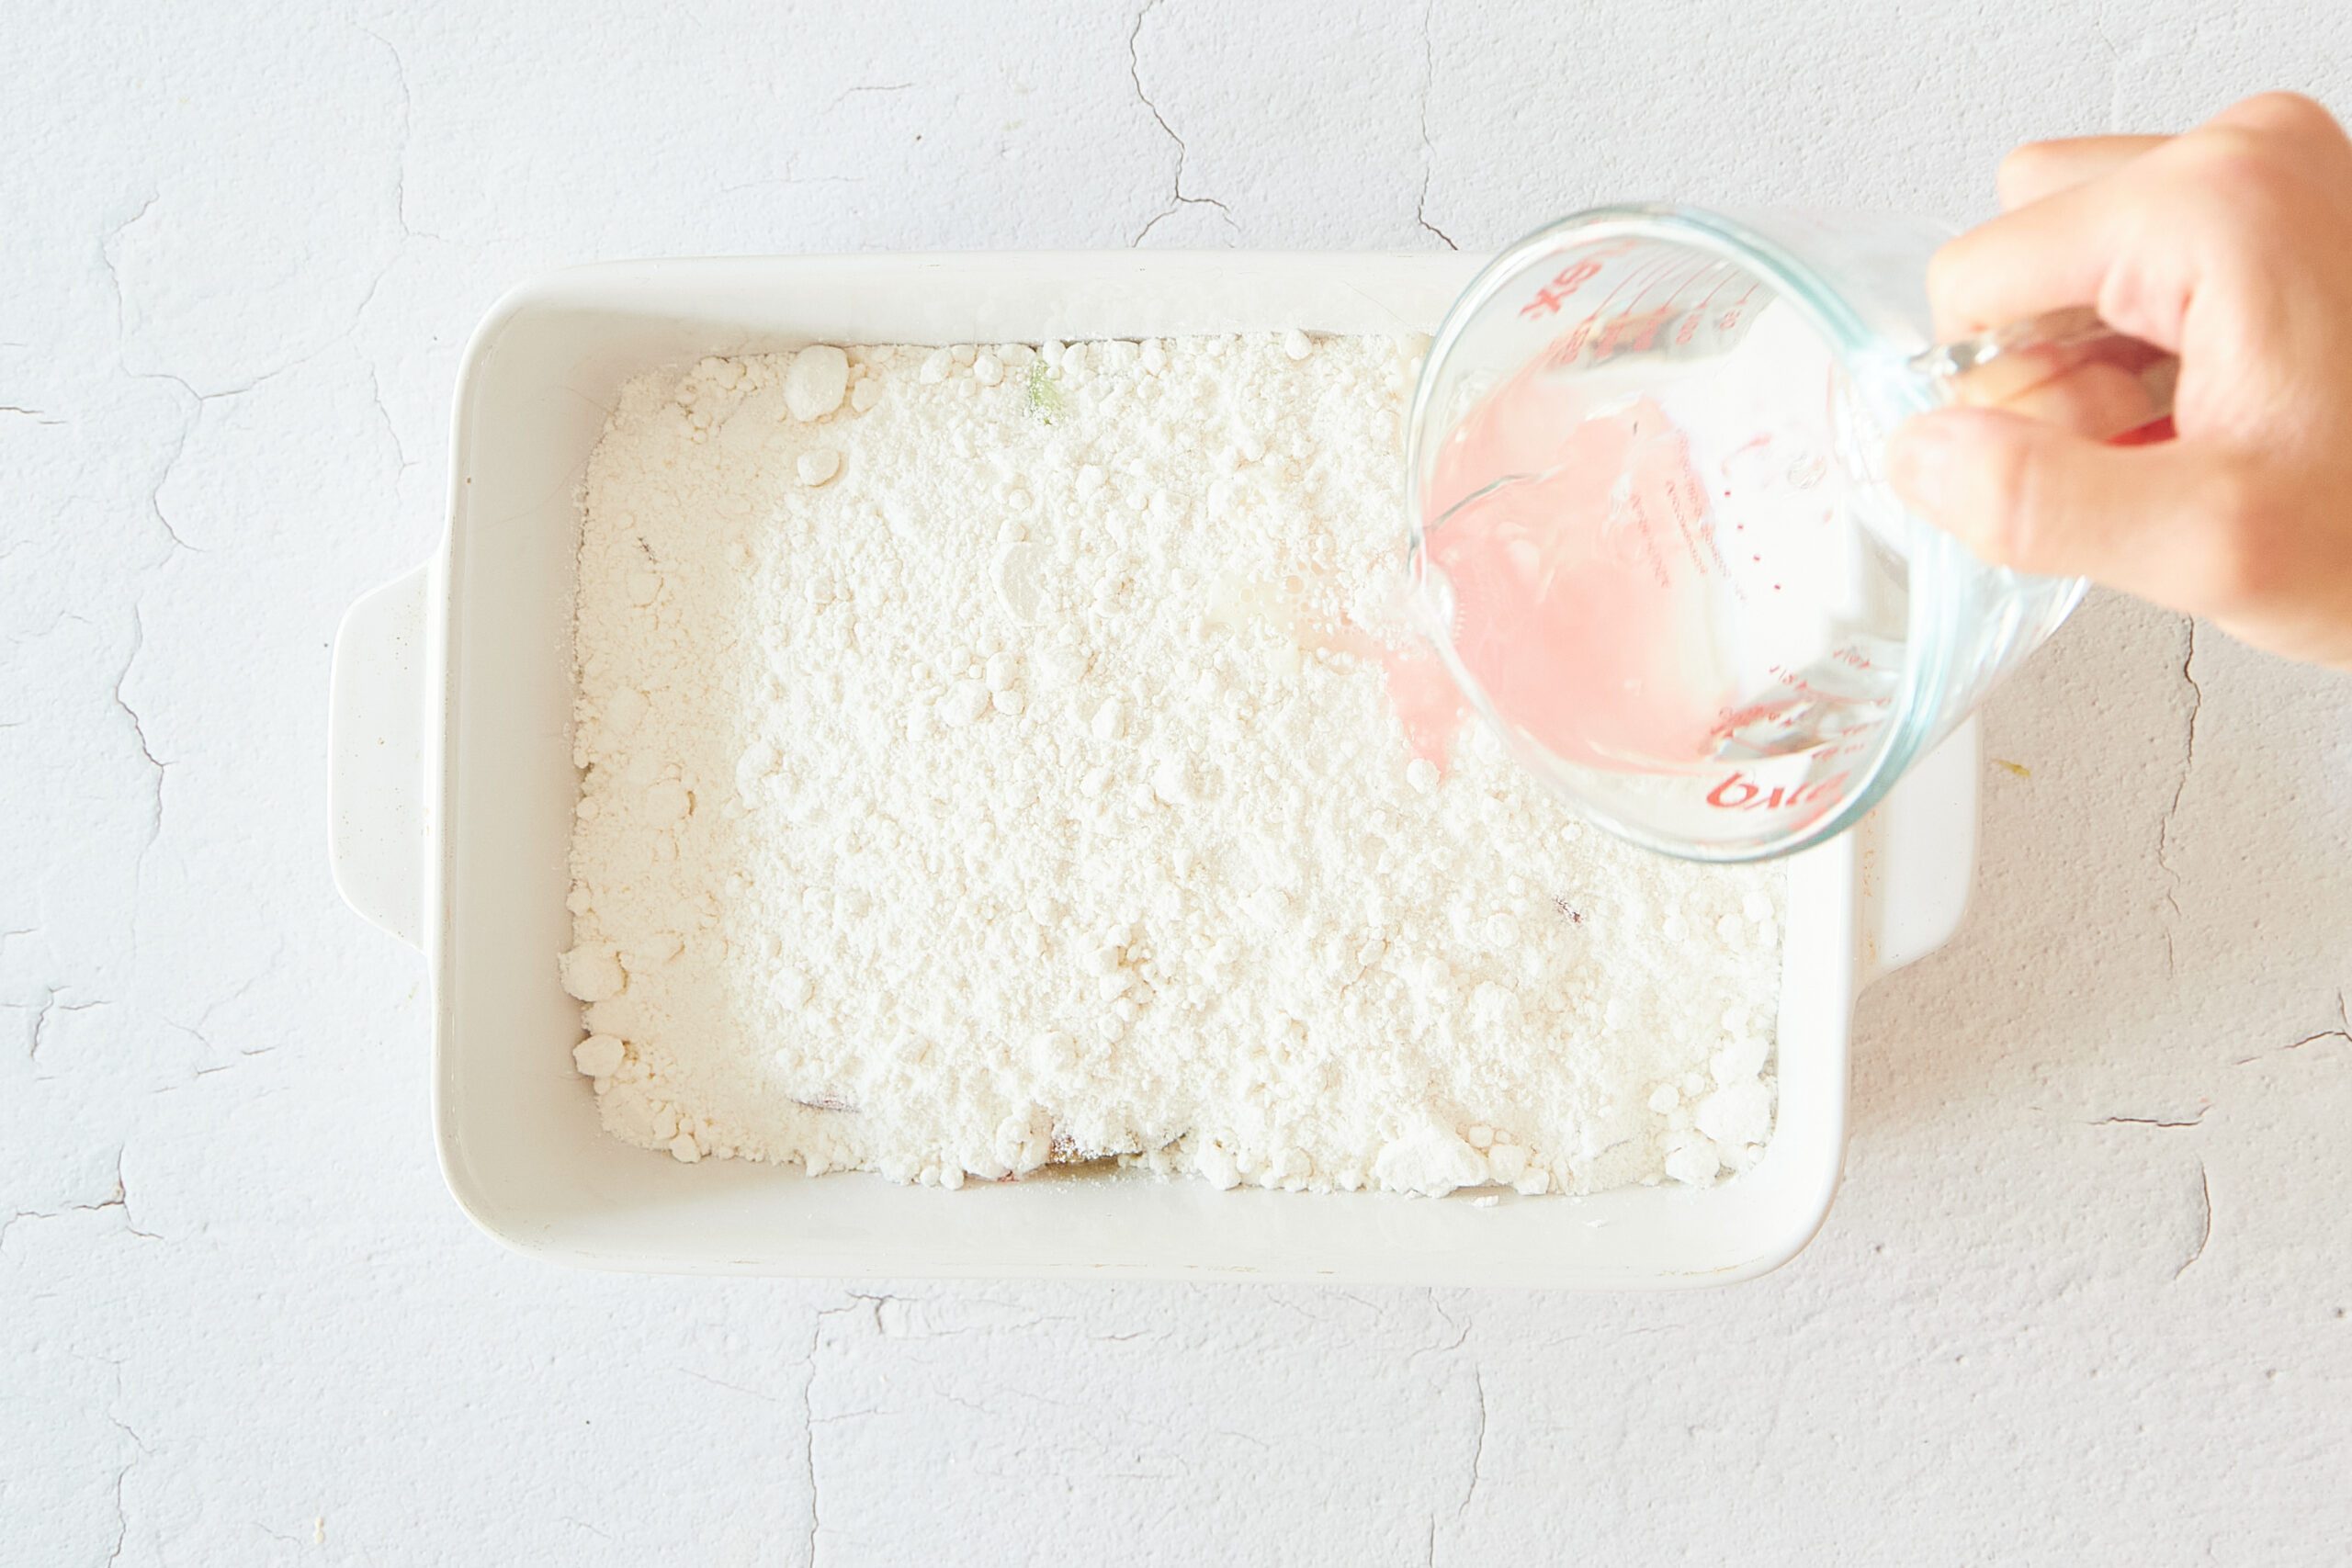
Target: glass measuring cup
point(1651, 540)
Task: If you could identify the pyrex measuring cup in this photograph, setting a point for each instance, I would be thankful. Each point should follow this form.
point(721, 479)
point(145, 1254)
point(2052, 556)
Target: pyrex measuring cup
point(1651, 538)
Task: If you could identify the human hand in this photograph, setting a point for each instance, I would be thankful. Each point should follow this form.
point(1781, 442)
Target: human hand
point(2231, 246)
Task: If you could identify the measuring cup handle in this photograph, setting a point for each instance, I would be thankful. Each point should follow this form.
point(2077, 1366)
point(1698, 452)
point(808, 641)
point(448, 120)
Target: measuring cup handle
point(2066, 366)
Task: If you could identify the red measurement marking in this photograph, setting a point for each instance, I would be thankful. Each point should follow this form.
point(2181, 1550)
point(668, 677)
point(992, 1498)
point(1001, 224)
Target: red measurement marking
point(1567, 281)
point(1740, 718)
point(1740, 793)
point(1545, 303)
point(1570, 344)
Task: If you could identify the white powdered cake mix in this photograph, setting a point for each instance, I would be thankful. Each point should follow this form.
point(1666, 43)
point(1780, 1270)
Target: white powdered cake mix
point(976, 780)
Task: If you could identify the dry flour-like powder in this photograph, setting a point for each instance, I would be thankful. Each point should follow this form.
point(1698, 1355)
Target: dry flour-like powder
point(978, 774)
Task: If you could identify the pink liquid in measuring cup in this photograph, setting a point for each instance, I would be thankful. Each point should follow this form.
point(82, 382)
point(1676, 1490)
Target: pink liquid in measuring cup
point(1579, 548)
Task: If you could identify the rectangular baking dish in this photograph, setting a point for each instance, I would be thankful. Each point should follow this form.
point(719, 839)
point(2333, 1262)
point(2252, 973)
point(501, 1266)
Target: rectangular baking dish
point(452, 788)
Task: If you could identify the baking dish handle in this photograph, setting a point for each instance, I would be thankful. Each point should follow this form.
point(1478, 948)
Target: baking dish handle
point(1920, 869)
point(376, 756)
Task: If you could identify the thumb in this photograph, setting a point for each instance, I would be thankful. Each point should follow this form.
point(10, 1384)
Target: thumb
point(2032, 496)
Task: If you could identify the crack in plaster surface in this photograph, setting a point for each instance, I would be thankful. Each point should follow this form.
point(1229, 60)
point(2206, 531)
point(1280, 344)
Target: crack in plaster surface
point(1429, 148)
point(1176, 181)
point(2164, 827)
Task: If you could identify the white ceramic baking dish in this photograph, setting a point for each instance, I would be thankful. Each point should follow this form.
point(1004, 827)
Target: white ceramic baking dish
point(452, 792)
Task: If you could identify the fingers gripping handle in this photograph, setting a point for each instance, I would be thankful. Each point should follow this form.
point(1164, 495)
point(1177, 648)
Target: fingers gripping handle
point(2067, 366)
point(376, 799)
